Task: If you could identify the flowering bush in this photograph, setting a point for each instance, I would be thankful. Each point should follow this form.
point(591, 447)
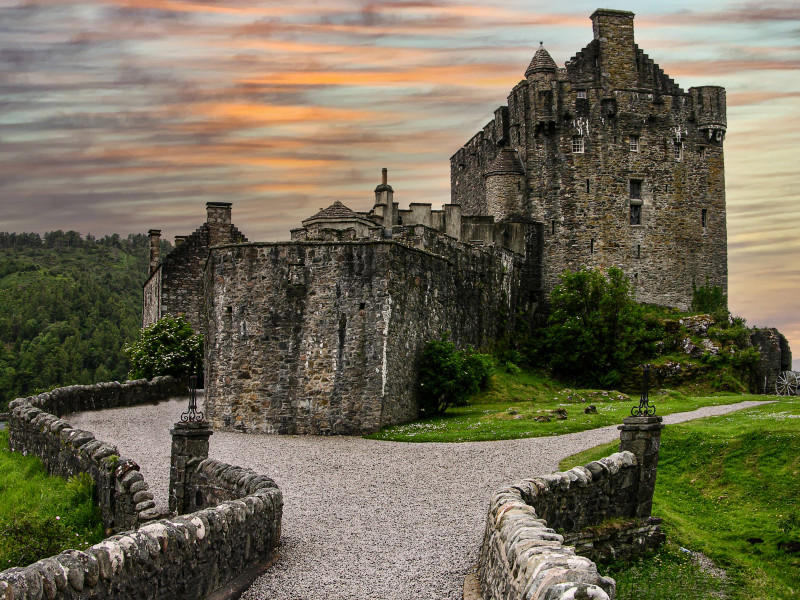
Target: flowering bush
point(167, 347)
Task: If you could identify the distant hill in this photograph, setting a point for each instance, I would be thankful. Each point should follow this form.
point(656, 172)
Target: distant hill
point(68, 305)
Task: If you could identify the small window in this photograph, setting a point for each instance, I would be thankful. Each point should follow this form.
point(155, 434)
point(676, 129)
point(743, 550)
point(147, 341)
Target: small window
point(638, 251)
point(553, 224)
point(587, 186)
point(704, 217)
point(636, 213)
point(577, 144)
point(591, 247)
point(702, 151)
point(582, 94)
point(634, 143)
point(636, 189)
point(678, 148)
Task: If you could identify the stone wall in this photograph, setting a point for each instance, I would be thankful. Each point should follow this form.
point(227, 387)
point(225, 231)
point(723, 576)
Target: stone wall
point(122, 494)
point(604, 507)
point(235, 524)
point(111, 394)
point(176, 286)
point(179, 558)
point(634, 124)
point(323, 337)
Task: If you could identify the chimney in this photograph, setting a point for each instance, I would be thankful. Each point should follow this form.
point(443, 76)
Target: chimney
point(180, 239)
point(617, 60)
point(218, 213)
point(155, 237)
point(384, 194)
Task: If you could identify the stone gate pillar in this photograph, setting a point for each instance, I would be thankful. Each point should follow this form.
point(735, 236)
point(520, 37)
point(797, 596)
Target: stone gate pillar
point(642, 436)
point(189, 440)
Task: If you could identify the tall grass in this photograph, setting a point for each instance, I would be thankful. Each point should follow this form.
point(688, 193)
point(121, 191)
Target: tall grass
point(41, 515)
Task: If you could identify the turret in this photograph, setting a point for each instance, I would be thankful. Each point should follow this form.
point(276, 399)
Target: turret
point(709, 111)
point(505, 185)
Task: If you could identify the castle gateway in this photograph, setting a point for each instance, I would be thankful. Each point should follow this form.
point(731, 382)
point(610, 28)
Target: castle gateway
point(604, 162)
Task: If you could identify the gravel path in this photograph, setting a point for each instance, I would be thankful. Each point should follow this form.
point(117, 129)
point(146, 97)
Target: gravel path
point(363, 519)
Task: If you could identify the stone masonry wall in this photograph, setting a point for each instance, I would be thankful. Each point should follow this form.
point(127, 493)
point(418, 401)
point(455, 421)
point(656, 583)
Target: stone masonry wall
point(178, 558)
point(235, 525)
point(121, 492)
point(313, 337)
point(775, 357)
point(176, 287)
point(603, 507)
point(522, 556)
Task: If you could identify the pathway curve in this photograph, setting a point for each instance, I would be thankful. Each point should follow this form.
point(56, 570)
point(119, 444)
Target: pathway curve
point(363, 519)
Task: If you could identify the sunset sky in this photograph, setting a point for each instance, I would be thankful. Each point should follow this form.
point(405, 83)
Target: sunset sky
point(118, 116)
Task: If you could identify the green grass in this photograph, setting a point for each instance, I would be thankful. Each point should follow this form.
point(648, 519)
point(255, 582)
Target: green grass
point(41, 515)
point(721, 481)
point(508, 408)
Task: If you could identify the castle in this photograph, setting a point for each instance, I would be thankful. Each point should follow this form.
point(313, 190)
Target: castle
point(604, 162)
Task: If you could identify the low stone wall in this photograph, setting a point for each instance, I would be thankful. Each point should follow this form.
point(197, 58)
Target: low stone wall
point(112, 394)
point(123, 496)
point(185, 557)
point(523, 557)
point(235, 525)
point(620, 539)
point(604, 507)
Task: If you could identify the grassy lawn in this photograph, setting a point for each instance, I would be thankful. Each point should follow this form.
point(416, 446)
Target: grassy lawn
point(728, 487)
point(508, 409)
point(41, 515)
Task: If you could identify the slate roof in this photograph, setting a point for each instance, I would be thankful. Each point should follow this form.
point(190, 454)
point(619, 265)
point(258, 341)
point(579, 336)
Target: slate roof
point(542, 62)
point(335, 212)
point(507, 161)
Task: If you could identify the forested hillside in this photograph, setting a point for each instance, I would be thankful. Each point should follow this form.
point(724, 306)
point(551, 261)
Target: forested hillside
point(68, 305)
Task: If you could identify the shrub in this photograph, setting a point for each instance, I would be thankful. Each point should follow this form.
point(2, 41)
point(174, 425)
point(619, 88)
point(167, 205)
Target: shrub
point(167, 347)
point(448, 377)
point(709, 299)
point(595, 328)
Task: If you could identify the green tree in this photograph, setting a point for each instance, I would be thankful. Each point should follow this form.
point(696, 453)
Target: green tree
point(448, 377)
point(595, 328)
point(167, 347)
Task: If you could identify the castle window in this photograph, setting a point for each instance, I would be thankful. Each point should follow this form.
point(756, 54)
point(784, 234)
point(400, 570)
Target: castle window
point(587, 186)
point(702, 151)
point(554, 227)
point(634, 143)
point(577, 144)
point(678, 151)
point(582, 94)
point(591, 247)
point(704, 217)
point(636, 189)
point(638, 251)
point(636, 212)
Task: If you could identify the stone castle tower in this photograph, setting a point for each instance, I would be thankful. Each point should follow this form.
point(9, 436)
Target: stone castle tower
point(620, 165)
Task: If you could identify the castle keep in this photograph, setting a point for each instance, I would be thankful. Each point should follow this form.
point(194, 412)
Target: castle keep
point(620, 164)
point(605, 162)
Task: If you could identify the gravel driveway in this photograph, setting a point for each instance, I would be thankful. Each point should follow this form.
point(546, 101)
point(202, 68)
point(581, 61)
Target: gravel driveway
point(363, 519)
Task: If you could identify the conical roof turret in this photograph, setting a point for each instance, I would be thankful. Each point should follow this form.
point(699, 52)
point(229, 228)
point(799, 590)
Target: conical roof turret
point(506, 162)
point(542, 62)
